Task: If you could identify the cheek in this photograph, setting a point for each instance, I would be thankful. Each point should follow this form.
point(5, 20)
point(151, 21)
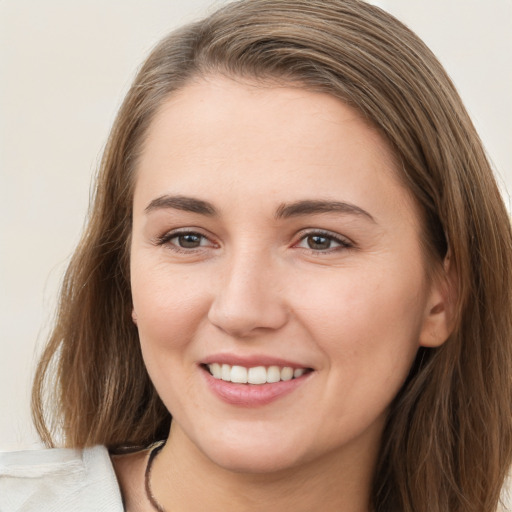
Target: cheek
point(169, 305)
point(170, 308)
point(367, 322)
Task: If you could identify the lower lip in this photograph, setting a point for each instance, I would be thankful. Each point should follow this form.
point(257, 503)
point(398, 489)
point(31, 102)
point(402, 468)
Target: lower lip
point(252, 395)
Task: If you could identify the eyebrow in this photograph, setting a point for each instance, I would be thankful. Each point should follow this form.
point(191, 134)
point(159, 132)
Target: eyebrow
point(309, 207)
point(187, 204)
point(284, 211)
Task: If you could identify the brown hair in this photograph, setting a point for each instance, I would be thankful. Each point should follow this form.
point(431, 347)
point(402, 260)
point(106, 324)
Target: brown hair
point(447, 445)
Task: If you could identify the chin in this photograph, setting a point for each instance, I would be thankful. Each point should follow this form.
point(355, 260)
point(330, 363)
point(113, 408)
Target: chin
point(255, 463)
point(260, 454)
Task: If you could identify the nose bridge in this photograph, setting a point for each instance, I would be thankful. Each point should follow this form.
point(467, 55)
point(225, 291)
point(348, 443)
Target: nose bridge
point(249, 296)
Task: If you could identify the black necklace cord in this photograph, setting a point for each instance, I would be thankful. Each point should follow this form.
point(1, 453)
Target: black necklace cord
point(147, 476)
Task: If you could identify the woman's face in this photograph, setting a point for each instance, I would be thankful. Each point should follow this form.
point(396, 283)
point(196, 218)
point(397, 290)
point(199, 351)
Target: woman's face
point(271, 238)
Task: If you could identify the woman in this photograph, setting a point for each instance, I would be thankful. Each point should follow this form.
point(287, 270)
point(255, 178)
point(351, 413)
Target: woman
point(298, 251)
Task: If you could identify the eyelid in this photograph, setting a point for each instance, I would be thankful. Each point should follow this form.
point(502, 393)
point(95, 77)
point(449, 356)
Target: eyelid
point(165, 239)
point(343, 241)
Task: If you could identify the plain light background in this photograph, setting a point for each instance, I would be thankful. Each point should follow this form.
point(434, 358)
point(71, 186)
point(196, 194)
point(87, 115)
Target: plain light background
point(64, 68)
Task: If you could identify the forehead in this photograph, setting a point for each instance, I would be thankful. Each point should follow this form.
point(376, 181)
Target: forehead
point(259, 140)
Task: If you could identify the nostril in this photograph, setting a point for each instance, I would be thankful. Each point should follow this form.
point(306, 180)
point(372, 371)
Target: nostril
point(240, 318)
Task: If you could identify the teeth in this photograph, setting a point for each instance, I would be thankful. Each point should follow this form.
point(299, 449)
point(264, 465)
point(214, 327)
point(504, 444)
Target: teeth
point(225, 373)
point(273, 374)
point(254, 375)
point(239, 374)
point(216, 370)
point(257, 375)
point(287, 373)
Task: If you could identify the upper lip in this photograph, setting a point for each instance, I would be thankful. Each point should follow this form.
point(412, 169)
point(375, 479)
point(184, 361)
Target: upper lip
point(251, 361)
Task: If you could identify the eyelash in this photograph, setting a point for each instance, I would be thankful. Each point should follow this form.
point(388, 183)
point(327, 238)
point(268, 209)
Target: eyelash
point(167, 237)
point(343, 243)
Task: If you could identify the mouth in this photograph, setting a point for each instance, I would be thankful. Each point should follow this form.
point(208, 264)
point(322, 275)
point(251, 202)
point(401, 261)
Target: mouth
point(256, 375)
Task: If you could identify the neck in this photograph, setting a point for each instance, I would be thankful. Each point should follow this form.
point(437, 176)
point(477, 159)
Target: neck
point(184, 479)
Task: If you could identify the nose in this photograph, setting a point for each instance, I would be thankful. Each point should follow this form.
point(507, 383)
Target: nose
point(249, 298)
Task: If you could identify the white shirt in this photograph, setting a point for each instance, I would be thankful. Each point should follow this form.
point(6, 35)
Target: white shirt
point(59, 480)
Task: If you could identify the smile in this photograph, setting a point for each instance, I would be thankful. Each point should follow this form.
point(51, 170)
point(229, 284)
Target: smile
point(254, 375)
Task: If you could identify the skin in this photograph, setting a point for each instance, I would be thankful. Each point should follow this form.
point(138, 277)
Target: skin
point(353, 304)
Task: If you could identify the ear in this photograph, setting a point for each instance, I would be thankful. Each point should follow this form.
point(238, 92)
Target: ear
point(134, 316)
point(440, 312)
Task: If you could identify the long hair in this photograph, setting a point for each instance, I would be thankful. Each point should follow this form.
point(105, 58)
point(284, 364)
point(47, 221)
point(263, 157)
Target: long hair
point(447, 444)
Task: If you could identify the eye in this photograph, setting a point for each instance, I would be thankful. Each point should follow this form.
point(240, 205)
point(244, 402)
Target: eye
point(319, 242)
point(323, 242)
point(189, 240)
point(184, 240)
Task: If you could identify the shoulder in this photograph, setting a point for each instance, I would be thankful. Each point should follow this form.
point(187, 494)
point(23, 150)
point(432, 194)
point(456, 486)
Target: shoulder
point(59, 480)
